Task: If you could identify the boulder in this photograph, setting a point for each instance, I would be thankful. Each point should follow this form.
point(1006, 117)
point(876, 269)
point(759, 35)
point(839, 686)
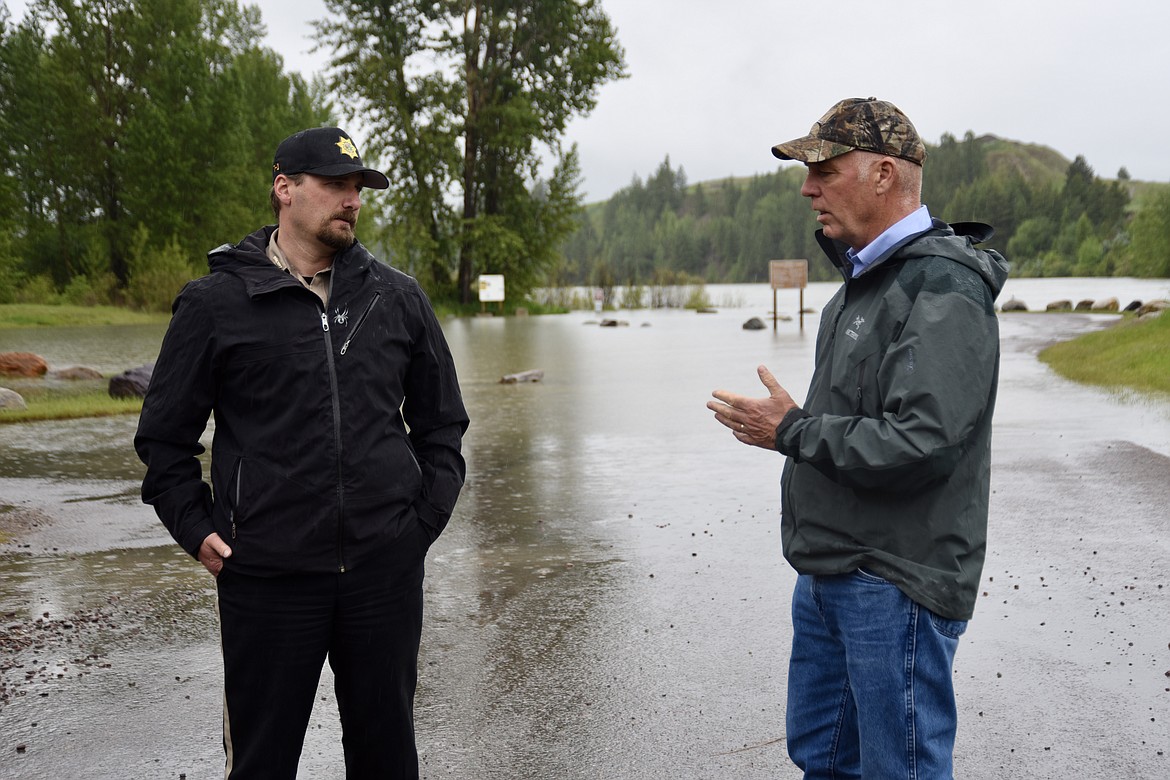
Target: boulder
point(1064, 305)
point(1133, 306)
point(1152, 306)
point(10, 399)
point(131, 383)
point(76, 373)
point(1014, 304)
point(1105, 304)
point(755, 323)
point(1086, 305)
point(22, 364)
point(614, 323)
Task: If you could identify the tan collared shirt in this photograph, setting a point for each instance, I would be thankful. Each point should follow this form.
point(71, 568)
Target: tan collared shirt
point(319, 283)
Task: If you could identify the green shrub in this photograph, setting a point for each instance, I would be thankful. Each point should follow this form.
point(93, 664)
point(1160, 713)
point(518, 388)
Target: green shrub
point(155, 275)
point(82, 291)
point(38, 289)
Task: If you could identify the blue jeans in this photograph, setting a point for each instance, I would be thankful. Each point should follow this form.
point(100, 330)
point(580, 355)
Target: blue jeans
point(870, 693)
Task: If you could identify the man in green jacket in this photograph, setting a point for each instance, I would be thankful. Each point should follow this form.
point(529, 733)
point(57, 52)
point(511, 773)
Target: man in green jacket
point(885, 486)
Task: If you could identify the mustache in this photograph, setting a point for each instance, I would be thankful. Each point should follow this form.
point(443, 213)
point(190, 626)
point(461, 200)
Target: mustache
point(346, 216)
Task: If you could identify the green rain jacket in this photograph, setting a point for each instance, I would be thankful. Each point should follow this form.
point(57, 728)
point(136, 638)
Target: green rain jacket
point(889, 460)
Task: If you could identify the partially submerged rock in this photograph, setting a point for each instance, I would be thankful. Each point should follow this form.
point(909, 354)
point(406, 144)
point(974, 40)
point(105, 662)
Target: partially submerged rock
point(1014, 304)
point(534, 375)
point(11, 400)
point(1105, 304)
point(76, 373)
point(131, 383)
point(22, 364)
point(1153, 306)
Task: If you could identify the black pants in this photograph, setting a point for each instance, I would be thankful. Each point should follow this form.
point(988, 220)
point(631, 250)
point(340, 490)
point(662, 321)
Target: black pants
point(277, 633)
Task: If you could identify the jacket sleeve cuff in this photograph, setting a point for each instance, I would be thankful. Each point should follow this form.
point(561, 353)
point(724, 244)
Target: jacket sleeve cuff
point(791, 417)
point(192, 537)
point(436, 521)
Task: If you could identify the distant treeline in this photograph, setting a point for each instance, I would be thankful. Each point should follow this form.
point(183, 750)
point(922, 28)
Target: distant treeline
point(1052, 218)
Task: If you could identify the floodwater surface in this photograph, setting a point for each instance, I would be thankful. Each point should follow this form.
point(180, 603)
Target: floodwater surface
point(610, 599)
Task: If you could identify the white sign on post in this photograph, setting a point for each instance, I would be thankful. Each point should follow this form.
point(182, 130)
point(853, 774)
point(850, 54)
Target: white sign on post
point(491, 288)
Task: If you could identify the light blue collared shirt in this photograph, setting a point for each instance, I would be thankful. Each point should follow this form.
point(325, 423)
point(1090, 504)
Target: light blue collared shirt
point(915, 222)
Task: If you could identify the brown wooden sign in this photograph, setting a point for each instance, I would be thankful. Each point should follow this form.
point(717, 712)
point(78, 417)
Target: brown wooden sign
point(788, 274)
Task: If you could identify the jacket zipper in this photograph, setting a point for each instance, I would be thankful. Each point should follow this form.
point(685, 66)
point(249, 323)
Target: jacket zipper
point(840, 311)
point(236, 503)
point(336, 435)
point(860, 384)
point(369, 307)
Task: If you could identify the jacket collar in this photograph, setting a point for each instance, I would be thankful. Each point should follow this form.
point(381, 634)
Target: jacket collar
point(249, 261)
point(835, 250)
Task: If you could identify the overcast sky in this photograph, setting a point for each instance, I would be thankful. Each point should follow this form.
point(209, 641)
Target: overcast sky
point(715, 84)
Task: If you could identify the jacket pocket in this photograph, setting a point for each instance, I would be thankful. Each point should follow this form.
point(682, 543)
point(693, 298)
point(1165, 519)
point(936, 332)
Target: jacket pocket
point(361, 321)
point(272, 517)
point(866, 400)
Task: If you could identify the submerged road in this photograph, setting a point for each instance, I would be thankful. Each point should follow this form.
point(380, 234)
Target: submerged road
point(610, 600)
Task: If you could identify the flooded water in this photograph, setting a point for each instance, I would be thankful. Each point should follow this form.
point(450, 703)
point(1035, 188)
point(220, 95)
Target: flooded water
point(610, 599)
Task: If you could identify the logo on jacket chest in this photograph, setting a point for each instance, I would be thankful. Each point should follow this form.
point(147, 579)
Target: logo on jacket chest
point(341, 317)
point(853, 332)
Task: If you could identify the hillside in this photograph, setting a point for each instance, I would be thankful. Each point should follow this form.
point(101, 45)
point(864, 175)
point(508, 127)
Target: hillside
point(1038, 164)
point(1053, 217)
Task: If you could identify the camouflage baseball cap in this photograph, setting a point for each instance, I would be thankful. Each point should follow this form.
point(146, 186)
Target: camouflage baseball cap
point(857, 123)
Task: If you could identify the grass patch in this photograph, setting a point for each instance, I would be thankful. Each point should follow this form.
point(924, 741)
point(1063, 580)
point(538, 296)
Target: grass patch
point(71, 407)
point(1133, 354)
point(30, 315)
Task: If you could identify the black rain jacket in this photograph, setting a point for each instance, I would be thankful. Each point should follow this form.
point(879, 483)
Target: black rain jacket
point(333, 430)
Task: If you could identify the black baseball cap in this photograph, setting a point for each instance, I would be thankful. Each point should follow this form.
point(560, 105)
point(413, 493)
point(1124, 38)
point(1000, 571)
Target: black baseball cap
point(324, 151)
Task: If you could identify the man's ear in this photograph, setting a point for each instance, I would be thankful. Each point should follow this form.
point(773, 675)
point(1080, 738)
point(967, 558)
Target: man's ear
point(885, 175)
point(282, 186)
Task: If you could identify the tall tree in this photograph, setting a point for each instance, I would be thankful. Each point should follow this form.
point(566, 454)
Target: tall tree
point(462, 97)
point(138, 130)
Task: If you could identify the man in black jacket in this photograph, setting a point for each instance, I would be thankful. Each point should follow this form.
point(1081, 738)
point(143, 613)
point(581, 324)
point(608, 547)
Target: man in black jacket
point(335, 464)
point(885, 487)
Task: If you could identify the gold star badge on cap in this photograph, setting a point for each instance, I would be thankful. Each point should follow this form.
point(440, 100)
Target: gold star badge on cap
point(346, 146)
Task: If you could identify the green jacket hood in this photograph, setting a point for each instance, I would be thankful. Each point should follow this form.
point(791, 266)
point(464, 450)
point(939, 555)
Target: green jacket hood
point(957, 242)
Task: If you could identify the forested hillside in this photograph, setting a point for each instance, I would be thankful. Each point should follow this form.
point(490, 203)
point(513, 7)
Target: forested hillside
point(1052, 218)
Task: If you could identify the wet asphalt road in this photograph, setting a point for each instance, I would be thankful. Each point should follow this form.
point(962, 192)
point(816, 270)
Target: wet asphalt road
point(610, 600)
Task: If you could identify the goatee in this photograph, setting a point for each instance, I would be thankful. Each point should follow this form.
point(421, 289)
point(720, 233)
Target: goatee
point(335, 237)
